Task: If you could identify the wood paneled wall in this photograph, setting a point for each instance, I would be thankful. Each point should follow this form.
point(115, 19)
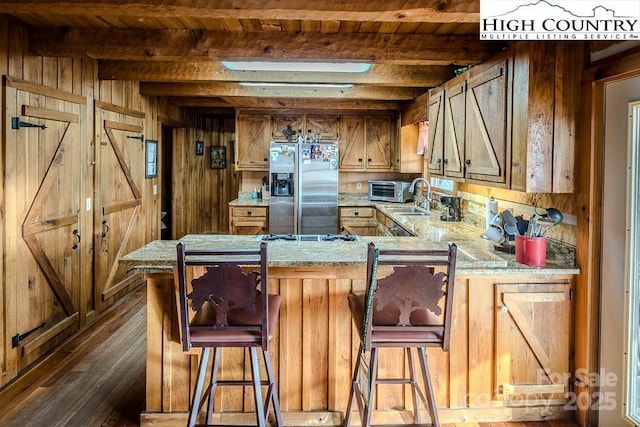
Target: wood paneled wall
point(205, 191)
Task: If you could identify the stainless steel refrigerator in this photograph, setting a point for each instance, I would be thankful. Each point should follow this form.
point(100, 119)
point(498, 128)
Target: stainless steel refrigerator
point(303, 180)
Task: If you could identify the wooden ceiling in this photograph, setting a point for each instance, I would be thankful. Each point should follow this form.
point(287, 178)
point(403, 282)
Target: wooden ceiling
point(175, 47)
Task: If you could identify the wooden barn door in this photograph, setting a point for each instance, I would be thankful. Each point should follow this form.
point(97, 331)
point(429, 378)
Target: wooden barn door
point(120, 174)
point(44, 153)
point(533, 322)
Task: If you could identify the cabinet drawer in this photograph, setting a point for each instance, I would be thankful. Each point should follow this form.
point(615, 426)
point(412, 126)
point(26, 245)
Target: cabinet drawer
point(249, 211)
point(356, 212)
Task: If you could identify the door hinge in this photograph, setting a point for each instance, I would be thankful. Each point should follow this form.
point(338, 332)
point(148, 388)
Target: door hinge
point(140, 138)
point(16, 124)
point(15, 340)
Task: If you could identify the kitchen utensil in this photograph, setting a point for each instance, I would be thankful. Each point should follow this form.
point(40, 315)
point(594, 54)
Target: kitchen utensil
point(510, 224)
point(545, 224)
point(535, 226)
point(523, 224)
point(555, 215)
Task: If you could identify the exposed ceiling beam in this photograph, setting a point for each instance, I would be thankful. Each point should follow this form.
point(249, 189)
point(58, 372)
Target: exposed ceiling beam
point(234, 89)
point(285, 103)
point(438, 11)
point(181, 45)
point(165, 71)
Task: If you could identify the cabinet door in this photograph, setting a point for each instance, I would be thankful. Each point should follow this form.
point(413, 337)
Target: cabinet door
point(352, 143)
point(379, 135)
point(250, 226)
point(360, 227)
point(325, 126)
point(253, 134)
point(406, 157)
point(281, 125)
point(435, 138)
point(454, 134)
point(486, 125)
point(532, 340)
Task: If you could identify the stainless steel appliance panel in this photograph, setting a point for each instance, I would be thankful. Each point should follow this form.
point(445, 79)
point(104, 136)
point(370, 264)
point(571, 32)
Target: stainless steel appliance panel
point(282, 177)
point(318, 183)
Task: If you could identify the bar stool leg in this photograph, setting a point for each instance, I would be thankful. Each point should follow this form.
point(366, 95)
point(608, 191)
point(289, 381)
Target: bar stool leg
point(352, 394)
point(213, 384)
point(197, 392)
point(414, 385)
point(257, 387)
point(272, 391)
point(371, 390)
point(431, 404)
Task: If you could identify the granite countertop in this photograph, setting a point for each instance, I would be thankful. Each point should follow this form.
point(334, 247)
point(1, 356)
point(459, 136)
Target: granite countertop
point(160, 255)
point(429, 228)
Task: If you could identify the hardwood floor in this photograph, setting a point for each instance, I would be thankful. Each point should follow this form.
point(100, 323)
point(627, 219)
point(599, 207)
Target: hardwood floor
point(97, 378)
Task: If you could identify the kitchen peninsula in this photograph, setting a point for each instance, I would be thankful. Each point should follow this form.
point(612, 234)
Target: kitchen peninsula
point(503, 363)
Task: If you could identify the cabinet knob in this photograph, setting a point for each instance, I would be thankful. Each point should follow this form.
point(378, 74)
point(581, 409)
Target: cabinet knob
point(468, 162)
point(356, 213)
point(504, 308)
point(248, 212)
point(439, 161)
point(369, 160)
point(360, 160)
point(445, 161)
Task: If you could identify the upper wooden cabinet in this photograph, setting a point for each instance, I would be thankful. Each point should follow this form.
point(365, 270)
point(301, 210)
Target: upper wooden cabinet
point(365, 142)
point(405, 150)
point(468, 136)
point(487, 123)
point(280, 124)
point(324, 125)
point(253, 134)
point(435, 136)
point(546, 98)
point(351, 147)
point(454, 128)
point(509, 122)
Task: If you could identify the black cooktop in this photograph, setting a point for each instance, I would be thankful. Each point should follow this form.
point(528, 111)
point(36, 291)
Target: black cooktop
point(310, 237)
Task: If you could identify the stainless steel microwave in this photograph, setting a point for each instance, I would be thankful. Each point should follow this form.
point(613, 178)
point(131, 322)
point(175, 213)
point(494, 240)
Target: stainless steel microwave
point(390, 191)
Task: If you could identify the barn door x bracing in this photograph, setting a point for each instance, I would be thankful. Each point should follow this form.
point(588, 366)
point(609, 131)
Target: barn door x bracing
point(44, 133)
point(119, 178)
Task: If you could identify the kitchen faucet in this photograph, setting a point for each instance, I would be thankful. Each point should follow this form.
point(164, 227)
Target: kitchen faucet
point(426, 204)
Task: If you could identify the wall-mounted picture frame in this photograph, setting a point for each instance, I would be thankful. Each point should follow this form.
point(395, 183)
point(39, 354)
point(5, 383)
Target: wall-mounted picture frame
point(151, 156)
point(199, 148)
point(218, 154)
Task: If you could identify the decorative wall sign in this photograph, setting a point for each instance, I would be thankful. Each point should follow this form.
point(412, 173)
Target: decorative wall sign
point(199, 148)
point(218, 157)
point(151, 156)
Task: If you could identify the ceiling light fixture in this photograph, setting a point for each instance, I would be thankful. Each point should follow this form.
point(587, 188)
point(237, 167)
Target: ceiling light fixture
point(323, 67)
point(299, 85)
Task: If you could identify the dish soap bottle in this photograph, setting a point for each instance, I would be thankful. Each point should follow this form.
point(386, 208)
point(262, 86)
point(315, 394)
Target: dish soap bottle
point(254, 195)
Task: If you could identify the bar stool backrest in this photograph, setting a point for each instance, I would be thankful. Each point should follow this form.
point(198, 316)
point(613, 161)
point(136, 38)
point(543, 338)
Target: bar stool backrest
point(223, 291)
point(412, 291)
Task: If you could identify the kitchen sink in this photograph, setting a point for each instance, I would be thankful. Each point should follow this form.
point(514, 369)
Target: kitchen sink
point(406, 210)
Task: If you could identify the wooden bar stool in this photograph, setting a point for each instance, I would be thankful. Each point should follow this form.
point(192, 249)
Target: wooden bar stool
point(224, 302)
point(408, 304)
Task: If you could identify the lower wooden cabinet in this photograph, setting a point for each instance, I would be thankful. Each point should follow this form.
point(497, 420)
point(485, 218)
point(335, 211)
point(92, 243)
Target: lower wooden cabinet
point(358, 220)
point(533, 322)
point(522, 326)
point(250, 220)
